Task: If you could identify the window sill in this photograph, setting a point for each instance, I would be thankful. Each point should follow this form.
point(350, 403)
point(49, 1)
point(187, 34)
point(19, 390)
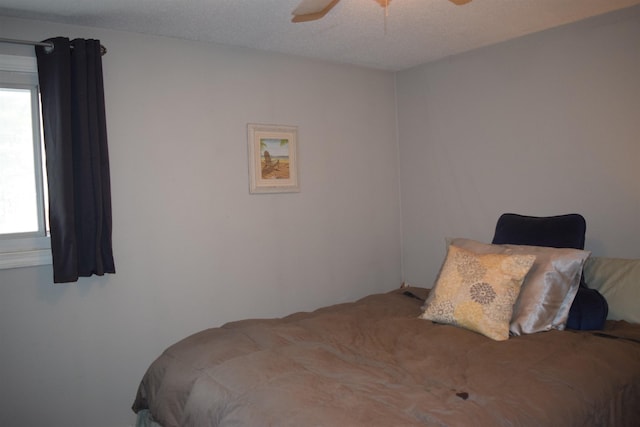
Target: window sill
point(25, 258)
point(25, 252)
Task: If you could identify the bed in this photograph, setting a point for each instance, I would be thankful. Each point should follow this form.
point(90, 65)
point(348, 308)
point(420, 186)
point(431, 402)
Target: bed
point(406, 358)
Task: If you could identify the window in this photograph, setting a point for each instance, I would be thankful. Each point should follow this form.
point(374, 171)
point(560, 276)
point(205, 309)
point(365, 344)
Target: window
point(24, 239)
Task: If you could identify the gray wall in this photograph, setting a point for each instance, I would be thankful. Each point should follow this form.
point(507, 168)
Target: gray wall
point(193, 249)
point(543, 125)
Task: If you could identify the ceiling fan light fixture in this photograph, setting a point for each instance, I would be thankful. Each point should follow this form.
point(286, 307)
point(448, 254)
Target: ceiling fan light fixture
point(312, 10)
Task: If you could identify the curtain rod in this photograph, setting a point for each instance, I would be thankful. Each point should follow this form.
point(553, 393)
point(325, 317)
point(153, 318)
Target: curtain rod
point(103, 50)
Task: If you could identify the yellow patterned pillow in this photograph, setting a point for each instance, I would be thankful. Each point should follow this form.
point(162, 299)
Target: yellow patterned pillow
point(477, 291)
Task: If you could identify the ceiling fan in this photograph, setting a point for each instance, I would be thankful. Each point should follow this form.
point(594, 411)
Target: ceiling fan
point(311, 10)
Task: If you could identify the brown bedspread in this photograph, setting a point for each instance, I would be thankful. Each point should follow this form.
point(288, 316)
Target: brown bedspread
point(374, 363)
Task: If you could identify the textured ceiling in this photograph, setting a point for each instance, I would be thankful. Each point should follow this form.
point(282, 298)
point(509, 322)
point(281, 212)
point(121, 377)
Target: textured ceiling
point(355, 31)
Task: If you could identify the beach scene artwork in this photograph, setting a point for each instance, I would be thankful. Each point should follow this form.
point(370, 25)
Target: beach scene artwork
point(274, 158)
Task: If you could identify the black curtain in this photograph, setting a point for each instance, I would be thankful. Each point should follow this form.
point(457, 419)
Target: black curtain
point(75, 136)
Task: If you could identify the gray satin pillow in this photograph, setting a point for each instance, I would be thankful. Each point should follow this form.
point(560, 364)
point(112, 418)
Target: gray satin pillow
point(548, 290)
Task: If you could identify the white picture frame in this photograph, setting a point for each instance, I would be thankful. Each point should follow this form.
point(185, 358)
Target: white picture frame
point(273, 158)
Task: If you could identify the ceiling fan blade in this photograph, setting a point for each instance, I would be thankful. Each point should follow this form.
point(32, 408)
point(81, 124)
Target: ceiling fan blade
point(383, 3)
point(311, 10)
point(460, 2)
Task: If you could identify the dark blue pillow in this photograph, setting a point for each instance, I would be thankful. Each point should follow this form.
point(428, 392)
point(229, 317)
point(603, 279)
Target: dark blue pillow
point(561, 231)
point(589, 309)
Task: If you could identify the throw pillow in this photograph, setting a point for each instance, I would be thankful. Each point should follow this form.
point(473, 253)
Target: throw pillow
point(477, 291)
point(547, 291)
point(618, 280)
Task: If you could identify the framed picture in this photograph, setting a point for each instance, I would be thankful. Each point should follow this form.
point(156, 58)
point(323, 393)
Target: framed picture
point(273, 158)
